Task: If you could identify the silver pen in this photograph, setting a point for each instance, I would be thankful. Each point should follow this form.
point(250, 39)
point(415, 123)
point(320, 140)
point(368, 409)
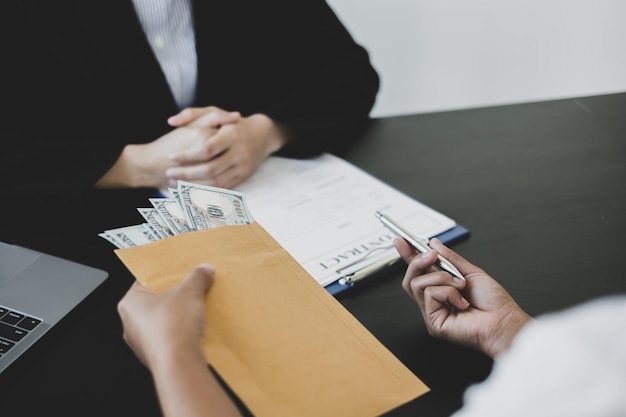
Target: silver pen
point(421, 245)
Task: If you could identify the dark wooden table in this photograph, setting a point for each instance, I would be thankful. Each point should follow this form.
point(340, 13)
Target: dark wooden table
point(541, 186)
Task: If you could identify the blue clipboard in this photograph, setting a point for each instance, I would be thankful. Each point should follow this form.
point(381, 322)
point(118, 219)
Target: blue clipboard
point(448, 237)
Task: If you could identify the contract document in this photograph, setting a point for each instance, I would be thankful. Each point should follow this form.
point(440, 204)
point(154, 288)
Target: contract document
point(322, 211)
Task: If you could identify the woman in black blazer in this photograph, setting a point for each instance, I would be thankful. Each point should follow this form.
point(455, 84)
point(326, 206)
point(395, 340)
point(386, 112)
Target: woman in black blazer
point(80, 84)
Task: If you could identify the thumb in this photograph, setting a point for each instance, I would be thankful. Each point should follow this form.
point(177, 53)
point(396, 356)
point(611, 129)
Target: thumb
point(200, 278)
point(185, 116)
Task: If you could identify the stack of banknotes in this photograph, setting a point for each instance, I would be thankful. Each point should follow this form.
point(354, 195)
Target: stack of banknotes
point(190, 207)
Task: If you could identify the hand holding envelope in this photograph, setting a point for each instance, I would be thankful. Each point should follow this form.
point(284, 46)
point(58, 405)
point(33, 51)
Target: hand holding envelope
point(281, 342)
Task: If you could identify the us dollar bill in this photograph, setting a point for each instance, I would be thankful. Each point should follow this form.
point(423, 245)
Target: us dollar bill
point(154, 219)
point(111, 239)
point(176, 197)
point(129, 236)
point(190, 207)
point(152, 231)
point(207, 207)
point(171, 213)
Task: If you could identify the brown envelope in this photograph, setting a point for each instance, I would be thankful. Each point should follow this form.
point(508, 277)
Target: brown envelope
point(278, 338)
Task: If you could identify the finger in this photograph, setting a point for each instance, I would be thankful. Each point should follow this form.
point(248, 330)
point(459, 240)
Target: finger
point(133, 292)
point(437, 295)
point(422, 263)
point(433, 279)
point(406, 251)
point(464, 266)
point(416, 285)
point(217, 119)
point(231, 177)
point(207, 148)
point(204, 117)
point(186, 116)
point(203, 173)
point(133, 296)
point(419, 265)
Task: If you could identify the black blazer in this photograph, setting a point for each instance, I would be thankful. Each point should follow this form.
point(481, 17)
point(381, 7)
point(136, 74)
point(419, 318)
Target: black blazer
point(79, 81)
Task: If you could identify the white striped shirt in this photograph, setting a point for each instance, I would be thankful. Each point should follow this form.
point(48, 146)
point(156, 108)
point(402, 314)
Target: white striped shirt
point(168, 25)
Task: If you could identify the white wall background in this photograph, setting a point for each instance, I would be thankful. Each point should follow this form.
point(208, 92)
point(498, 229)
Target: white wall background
point(435, 55)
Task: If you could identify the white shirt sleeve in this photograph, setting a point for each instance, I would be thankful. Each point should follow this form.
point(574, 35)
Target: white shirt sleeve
point(569, 364)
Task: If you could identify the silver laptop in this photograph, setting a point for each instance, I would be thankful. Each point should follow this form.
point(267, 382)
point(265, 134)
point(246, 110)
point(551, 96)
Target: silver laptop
point(36, 291)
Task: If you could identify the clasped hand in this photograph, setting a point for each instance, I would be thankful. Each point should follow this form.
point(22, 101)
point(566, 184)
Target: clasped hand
point(207, 146)
point(222, 148)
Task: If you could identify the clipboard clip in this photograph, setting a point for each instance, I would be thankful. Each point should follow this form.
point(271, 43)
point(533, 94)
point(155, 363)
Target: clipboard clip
point(352, 277)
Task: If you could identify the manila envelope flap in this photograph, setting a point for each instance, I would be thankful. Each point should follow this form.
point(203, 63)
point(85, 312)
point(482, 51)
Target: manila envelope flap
point(281, 342)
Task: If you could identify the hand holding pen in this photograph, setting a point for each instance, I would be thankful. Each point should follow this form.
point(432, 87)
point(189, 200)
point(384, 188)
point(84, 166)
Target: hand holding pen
point(477, 312)
point(419, 244)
